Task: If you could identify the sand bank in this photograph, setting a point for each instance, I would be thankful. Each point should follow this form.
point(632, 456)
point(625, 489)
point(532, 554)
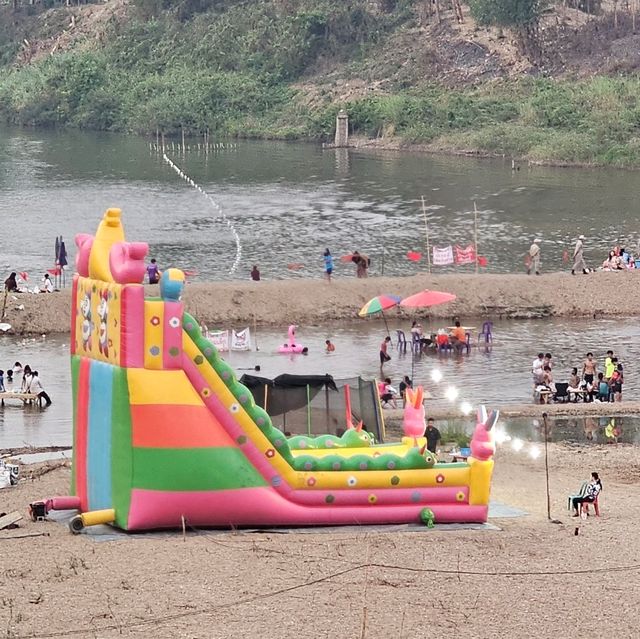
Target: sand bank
point(501, 583)
point(316, 301)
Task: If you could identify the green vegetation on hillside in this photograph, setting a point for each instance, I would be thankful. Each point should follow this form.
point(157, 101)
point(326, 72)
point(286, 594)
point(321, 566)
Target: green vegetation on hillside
point(237, 69)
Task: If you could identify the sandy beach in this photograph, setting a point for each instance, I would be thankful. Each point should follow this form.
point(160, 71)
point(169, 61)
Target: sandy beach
point(354, 582)
point(314, 301)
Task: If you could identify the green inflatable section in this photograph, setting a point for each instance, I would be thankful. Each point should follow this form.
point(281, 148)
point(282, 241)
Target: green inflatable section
point(121, 447)
point(351, 438)
point(193, 469)
point(411, 460)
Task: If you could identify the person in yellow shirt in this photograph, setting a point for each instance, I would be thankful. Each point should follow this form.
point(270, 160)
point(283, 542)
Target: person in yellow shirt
point(609, 366)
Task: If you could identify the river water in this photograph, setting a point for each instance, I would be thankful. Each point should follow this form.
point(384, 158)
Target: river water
point(497, 376)
point(290, 201)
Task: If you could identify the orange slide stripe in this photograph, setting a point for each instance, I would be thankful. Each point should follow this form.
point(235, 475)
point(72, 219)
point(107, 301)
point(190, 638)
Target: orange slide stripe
point(183, 426)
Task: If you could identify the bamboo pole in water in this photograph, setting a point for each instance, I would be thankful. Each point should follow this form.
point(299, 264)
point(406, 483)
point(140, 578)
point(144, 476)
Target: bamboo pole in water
point(426, 234)
point(475, 226)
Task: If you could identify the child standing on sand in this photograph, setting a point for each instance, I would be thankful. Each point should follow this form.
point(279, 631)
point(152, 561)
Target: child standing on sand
point(328, 263)
point(153, 272)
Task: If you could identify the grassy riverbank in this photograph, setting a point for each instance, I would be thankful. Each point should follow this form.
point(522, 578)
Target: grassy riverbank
point(282, 70)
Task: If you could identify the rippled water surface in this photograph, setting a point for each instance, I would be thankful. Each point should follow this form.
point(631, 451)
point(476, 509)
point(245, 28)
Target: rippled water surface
point(497, 376)
point(290, 201)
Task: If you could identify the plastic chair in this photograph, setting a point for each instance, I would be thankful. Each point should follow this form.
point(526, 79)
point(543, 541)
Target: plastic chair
point(416, 344)
point(486, 332)
point(402, 341)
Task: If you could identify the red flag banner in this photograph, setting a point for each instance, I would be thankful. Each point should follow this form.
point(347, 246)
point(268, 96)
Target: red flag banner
point(465, 255)
point(413, 256)
point(24, 275)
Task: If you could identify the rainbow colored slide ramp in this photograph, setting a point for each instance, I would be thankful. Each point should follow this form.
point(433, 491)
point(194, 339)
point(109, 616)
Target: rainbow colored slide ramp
point(165, 435)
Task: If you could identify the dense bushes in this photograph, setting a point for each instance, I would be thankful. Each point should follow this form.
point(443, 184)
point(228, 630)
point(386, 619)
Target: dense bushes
point(234, 70)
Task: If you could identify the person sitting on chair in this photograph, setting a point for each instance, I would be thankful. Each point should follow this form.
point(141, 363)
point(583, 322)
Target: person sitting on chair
point(417, 335)
point(458, 337)
point(588, 493)
point(442, 339)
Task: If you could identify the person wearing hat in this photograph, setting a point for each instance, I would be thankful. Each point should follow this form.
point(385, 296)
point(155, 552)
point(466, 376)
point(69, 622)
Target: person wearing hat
point(534, 257)
point(578, 257)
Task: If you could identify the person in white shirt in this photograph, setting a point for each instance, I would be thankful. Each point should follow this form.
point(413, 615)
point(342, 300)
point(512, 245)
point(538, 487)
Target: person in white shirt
point(537, 370)
point(47, 285)
point(26, 378)
point(35, 387)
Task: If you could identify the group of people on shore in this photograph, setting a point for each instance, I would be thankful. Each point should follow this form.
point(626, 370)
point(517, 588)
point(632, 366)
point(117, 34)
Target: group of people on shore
point(618, 259)
point(533, 257)
point(361, 261)
point(589, 383)
point(11, 285)
point(29, 382)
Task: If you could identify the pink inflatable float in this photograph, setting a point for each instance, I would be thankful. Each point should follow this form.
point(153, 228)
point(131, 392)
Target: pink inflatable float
point(290, 345)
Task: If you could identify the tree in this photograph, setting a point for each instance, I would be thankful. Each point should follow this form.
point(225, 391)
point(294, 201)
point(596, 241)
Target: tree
point(521, 16)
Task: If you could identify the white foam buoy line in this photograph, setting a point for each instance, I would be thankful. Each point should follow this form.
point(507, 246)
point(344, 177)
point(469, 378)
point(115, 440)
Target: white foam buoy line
point(216, 207)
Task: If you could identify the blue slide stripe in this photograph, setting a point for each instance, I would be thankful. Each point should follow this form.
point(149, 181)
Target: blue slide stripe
point(99, 438)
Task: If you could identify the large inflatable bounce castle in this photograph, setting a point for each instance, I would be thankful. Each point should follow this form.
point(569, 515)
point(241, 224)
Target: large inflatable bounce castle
point(164, 434)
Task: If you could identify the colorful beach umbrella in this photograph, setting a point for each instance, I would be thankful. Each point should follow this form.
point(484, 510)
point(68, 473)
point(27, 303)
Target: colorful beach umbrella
point(379, 304)
point(427, 298)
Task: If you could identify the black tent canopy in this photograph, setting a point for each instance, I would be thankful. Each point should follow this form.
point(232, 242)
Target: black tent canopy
point(286, 392)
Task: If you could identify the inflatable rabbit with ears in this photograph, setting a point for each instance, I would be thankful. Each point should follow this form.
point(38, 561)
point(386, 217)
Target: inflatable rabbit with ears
point(482, 443)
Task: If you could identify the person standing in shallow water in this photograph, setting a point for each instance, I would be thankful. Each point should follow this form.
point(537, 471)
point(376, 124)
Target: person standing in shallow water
point(255, 273)
point(384, 347)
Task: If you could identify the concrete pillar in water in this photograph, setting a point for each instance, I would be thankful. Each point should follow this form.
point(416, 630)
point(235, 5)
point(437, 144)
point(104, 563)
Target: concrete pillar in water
point(342, 129)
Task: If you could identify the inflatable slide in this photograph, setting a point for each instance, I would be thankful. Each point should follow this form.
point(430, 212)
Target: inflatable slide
point(165, 436)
